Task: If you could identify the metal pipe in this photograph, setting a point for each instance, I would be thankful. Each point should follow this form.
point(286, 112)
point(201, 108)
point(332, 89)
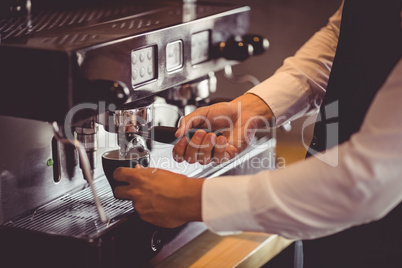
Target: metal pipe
point(86, 168)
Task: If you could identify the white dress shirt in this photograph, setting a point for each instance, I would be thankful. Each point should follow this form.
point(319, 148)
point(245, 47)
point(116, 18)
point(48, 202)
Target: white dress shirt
point(356, 182)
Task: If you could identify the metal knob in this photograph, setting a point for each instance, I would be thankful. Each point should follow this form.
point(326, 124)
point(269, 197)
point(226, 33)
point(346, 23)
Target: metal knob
point(156, 241)
point(259, 43)
point(235, 50)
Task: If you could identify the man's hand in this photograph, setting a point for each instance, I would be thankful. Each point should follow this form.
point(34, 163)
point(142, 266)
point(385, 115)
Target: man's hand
point(160, 197)
point(236, 120)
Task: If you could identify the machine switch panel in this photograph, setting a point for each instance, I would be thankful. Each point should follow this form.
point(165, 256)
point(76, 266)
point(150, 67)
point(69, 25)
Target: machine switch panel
point(143, 65)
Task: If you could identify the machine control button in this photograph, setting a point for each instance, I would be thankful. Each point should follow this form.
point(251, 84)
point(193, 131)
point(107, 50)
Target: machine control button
point(240, 48)
point(135, 74)
point(143, 65)
point(259, 43)
point(236, 50)
point(174, 55)
point(142, 57)
point(200, 47)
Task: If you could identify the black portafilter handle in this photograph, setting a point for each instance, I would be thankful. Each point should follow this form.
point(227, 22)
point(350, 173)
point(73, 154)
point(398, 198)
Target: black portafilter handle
point(166, 134)
point(260, 44)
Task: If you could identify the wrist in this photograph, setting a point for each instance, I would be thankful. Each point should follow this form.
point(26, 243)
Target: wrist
point(251, 106)
point(192, 207)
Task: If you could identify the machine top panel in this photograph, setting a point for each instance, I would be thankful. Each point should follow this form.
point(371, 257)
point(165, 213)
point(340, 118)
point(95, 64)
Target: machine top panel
point(77, 28)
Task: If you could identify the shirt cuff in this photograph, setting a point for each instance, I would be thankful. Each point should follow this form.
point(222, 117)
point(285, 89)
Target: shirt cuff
point(226, 210)
point(285, 95)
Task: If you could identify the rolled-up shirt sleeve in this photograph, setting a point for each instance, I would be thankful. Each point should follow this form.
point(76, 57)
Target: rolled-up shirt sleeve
point(354, 183)
point(299, 85)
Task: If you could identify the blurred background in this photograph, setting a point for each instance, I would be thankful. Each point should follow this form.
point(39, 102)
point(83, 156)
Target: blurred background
point(287, 24)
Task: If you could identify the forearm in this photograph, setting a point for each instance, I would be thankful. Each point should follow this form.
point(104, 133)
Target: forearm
point(299, 85)
point(250, 106)
point(350, 184)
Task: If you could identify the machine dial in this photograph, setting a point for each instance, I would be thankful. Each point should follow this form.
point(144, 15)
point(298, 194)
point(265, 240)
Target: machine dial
point(241, 48)
point(259, 43)
point(235, 50)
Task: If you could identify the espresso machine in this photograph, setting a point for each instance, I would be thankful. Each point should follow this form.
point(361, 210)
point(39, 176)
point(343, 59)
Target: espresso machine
point(67, 72)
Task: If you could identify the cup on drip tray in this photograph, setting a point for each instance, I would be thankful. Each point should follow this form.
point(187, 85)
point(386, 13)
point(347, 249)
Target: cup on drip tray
point(112, 160)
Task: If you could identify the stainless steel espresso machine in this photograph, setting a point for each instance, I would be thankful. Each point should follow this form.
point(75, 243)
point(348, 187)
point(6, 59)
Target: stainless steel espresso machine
point(66, 70)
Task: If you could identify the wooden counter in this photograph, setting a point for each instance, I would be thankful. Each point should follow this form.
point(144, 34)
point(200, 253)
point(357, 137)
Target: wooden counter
point(247, 250)
point(211, 250)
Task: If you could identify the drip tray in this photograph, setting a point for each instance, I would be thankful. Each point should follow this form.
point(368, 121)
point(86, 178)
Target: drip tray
point(75, 215)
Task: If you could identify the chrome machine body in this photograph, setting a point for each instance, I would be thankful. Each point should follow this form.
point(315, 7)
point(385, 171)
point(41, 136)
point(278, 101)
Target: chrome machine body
point(65, 71)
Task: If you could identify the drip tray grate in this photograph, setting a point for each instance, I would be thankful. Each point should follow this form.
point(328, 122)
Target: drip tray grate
point(76, 215)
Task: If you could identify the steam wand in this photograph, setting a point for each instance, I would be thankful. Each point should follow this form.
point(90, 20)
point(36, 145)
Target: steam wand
point(228, 72)
point(85, 167)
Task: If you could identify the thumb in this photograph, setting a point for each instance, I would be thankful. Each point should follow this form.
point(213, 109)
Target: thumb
point(192, 120)
point(181, 130)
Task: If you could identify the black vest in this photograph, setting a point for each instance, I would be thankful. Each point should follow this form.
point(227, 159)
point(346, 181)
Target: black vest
point(370, 44)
